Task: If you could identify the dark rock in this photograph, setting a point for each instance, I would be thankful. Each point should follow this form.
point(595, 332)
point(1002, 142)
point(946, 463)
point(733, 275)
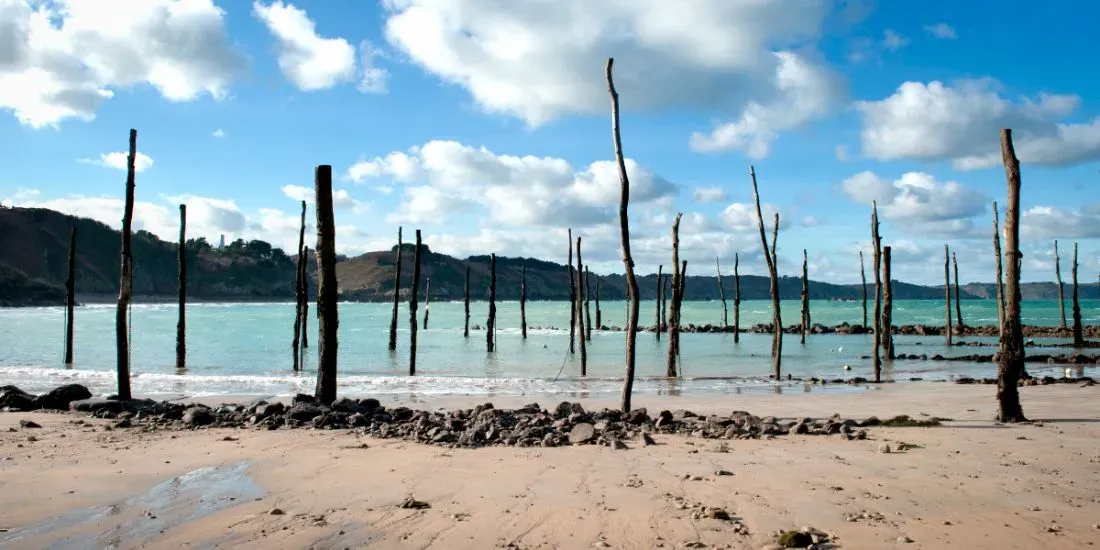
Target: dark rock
point(14, 401)
point(197, 416)
point(303, 398)
point(303, 412)
point(413, 504)
point(582, 433)
point(369, 404)
point(795, 539)
point(269, 409)
point(345, 405)
point(637, 416)
point(28, 424)
point(59, 398)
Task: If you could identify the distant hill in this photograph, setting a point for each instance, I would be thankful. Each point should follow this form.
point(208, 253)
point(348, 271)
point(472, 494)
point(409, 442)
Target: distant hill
point(34, 251)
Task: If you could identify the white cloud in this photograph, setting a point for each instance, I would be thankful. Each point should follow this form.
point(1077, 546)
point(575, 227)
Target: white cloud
point(706, 195)
point(942, 31)
point(514, 190)
point(893, 40)
point(63, 58)
point(538, 61)
point(117, 160)
point(219, 133)
point(742, 217)
point(1047, 222)
point(313, 62)
point(340, 198)
point(935, 121)
point(841, 153)
point(918, 201)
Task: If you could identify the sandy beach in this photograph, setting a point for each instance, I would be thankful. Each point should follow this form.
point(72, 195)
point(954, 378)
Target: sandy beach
point(73, 483)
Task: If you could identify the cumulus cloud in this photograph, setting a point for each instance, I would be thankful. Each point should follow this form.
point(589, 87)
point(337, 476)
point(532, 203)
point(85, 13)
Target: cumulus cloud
point(742, 217)
point(706, 195)
point(117, 160)
point(1048, 222)
point(313, 62)
point(219, 133)
point(63, 58)
point(918, 200)
point(340, 197)
point(961, 123)
point(443, 177)
point(543, 60)
point(942, 31)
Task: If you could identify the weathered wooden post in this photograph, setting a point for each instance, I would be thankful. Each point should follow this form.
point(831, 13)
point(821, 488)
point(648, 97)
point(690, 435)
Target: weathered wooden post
point(805, 297)
point(958, 300)
point(427, 300)
point(1000, 276)
point(305, 302)
point(413, 292)
point(572, 299)
point(887, 307)
point(674, 309)
point(491, 323)
point(947, 293)
point(736, 298)
point(587, 305)
point(599, 316)
point(70, 298)
point(327, 320)
point(466, 301)
point(863, 286)
point(578, 305)
point(1078, 336)
point(876, 242)
point(624, 228)
point(660, 300)
point(1061, 296)
point(299, 292)
point(181, 322)
point(664, 302)
point(126, 279)
point(523, 301)
point(396, 290)
point(722, 294)
point(1011, 362)
point(777, 319)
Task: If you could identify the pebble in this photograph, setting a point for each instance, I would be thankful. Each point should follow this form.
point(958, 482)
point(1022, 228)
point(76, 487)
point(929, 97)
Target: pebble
point(904, 539)
point(275, 512)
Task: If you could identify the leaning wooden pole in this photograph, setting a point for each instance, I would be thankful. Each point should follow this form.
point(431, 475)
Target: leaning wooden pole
point(660, 301)
point(523, 301)
point(624, 229)
point(947, 293)
point(769, 257)
point(427, 300)
point(887, 307)
point(587, 305)
point(1061, 291)
point(722, 294)
point(1011, 362)
point(414, 291)
point(70, 298)
point(1000, 273)
point(466, 302)
point(126, 279)
point(876, 254)
point(805, 326)
point(863, 286)
point(327, 319)
point(305, 302)
point(674, 308)
point(599, 316)
point(736, 298)
point(579, 306)
point(491, 322)
point(181, 322)
point(958, 300)
point(1078, 336)
point(396, 290)
point(299, 293)
point(572, 299)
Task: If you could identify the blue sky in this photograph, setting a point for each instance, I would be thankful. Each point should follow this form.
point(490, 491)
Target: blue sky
point(486, 123)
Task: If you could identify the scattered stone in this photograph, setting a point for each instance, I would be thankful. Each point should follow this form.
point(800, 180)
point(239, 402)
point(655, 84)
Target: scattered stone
point(795, 539)
point(723, 473)
point(904, 539)
point(28, 424)
point(197, 416)
point(275, 512)
point(582, 433)
point(884, 448)
point(413, 504)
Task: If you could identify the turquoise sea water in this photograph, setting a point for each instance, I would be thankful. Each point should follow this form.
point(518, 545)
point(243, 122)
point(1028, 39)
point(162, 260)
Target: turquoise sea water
point(244, 349)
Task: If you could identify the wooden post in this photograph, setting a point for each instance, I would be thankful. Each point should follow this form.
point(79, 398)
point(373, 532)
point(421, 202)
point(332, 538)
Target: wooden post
point(887, 307)
point(587, 305)
point(777, 319)
point(947, 293)
point(126, 279)
point(876, 243)
point(1058, 277)
point(466, 300)
point(396, 291)
point(1078, 337)
point(414, 291)
point(572, 299)
point(70, 298)
point(299, 293)
point(628, 260)
point(1011, 362)
point(578, 305)
point(805, 297)
point(665, 295)
point(305, 302)
point(427, 300)
point(722, 294)
point(736, 298)
point(958, 301)
point(491, 323)
point(674, 309)
point(1000, 276)
point(327, 319)
point(599, 316)
point(863, 287)
point(660, 300)
point(181, 323)
point(523, 301)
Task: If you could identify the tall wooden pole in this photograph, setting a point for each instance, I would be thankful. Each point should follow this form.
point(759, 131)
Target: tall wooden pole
point(466, 301)
point(665, 295)
point(770, 257)
point(327, 319)
point(1078, 337)
point(1058, 277)
point(70, 298)
point(427, 300)
point(396, 292)
point(876, 242)
point(305, 302)
point(413, 297)
point(624, 229)
point(722, 294)
point(299, 293)
point(736, 298)
point(578, 304)
point(126, 279)
point(805, 298)
point(523, 301)
point(863, 286)
point(947, 293)
point(491, 323)
point(1000, 274)
point(674, 309)
point(572, 300)
point(887, 307)
point(587, 305)
point(1011, 362)
point(181, 323)
point(599, 316)
point(660, 300)
point(958, 300)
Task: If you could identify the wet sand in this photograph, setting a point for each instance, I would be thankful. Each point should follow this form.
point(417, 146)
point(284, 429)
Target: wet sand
point(971, 483)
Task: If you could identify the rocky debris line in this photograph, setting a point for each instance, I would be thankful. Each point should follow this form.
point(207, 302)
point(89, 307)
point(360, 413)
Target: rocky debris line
point(1084, 381)
point(57, 399)
point(529, 426)
point(1061, 359)
point(1090, 331)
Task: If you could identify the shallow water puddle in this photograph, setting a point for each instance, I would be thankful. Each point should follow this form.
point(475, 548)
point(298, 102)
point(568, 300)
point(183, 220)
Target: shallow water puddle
point(175, 502)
